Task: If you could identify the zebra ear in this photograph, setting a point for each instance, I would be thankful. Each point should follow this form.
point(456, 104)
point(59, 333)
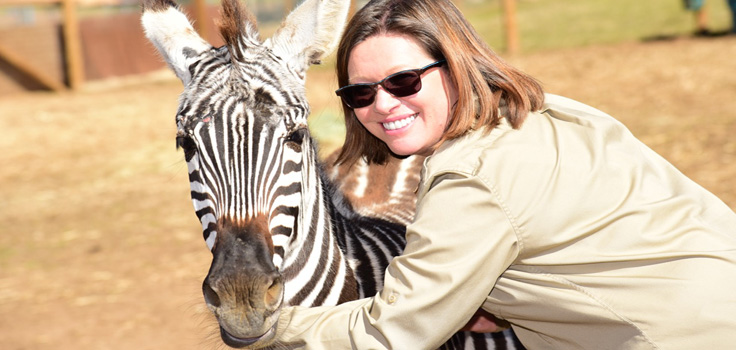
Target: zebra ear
point(311, 31)
point(172, 34)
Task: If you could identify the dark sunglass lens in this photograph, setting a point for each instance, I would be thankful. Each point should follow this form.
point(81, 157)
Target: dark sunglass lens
point(403, 84)
point(359, 96)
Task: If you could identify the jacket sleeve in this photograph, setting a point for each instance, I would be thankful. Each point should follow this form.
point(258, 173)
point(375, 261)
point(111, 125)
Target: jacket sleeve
point(459, 244)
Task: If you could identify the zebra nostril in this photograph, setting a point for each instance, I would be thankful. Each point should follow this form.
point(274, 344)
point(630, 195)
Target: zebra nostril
point(210, 296)
point(274, 294)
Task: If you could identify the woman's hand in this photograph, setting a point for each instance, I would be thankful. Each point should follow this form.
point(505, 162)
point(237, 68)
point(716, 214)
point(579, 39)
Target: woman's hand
point(484, 322)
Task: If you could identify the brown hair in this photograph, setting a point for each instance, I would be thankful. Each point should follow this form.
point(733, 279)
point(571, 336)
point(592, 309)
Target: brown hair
point(482, 78)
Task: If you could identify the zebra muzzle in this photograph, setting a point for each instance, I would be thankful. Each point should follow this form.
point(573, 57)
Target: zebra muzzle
point(236, 342)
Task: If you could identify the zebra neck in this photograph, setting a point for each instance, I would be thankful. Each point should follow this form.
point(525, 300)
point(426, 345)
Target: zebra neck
point(316, 270)
point(367, 243)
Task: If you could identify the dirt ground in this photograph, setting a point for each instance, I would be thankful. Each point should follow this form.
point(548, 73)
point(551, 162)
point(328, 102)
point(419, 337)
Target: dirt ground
point(99, 245)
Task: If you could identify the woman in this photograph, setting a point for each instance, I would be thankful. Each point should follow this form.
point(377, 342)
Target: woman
point(538, 209)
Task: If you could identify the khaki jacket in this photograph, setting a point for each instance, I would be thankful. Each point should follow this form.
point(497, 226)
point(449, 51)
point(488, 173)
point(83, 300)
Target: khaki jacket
point(569, 228)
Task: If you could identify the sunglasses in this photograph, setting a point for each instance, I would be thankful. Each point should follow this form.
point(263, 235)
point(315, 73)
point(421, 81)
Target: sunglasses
point(400, 84)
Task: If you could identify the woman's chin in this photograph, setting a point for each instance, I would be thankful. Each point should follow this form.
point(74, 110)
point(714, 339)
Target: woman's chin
point(408, 150)
point(402, 152)
point(411, 145)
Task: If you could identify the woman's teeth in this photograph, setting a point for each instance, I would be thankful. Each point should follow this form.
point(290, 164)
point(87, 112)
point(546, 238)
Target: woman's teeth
point(398, 124)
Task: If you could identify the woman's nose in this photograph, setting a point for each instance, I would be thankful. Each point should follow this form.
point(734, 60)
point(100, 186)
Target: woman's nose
point(384, 101)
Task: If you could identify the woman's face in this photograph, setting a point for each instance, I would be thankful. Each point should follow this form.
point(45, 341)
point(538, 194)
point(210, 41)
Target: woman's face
point(408, 125)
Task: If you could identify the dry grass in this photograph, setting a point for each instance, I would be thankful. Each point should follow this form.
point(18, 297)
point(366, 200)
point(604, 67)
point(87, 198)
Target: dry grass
point(100, 248)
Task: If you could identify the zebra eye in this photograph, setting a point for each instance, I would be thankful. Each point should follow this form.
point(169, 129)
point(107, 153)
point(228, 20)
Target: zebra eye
point(296, 136)
point(187, 144)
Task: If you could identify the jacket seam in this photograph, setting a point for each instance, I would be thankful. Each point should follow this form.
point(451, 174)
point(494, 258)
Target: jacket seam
point(518, 230)
point(597, 300)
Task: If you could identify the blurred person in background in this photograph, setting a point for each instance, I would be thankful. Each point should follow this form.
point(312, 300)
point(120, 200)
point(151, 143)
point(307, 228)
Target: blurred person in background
point(701, 16)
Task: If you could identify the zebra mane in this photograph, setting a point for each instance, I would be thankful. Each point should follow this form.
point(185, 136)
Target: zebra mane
point(335, 195)
point(330, 189)
point(237, 28)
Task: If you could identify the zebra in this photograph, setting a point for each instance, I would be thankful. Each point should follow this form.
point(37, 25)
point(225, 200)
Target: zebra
point(279, 231)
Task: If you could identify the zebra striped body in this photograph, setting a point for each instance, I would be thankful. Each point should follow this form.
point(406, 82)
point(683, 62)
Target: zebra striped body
point(280, 232)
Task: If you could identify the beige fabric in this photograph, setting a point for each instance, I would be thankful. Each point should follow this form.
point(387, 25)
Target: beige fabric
point(569, 228)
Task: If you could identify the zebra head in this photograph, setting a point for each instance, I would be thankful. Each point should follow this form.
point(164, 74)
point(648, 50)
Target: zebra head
point(242, 123)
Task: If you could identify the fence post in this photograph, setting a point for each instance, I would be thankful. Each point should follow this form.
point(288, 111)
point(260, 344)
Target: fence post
point(201, 18)
point(72, 44)
point(511, 26)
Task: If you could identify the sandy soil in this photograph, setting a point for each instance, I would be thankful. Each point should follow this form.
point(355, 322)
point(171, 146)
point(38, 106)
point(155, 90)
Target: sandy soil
point(99, 245)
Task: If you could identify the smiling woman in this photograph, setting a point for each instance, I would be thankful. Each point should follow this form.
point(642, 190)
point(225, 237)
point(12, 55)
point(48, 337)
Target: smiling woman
point(464, 97)
point(408, 124)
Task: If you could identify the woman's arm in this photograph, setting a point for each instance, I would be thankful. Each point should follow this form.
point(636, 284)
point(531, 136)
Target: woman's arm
point(460, 243)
